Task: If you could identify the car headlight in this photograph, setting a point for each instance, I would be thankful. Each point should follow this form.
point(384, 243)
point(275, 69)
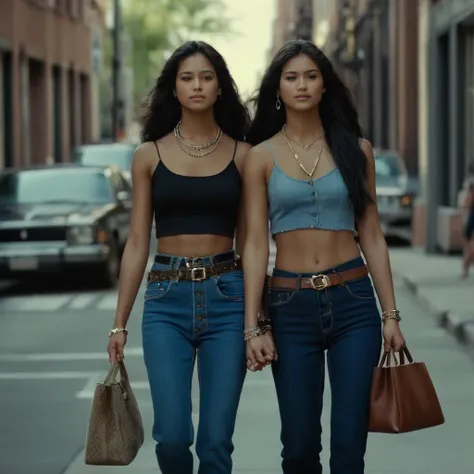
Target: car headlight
point(406, 200)
point(81, 235)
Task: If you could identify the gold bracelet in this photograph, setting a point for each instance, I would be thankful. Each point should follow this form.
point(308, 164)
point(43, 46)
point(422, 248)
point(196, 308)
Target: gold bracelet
point(391, 314)
point(117, 330)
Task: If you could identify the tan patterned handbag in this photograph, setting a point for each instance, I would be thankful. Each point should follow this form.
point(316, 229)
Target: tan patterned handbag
point(115, 432)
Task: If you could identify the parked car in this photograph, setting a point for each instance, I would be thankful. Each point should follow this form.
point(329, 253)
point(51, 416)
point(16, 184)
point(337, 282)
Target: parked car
point(106, 154)
point(67, 219)
point(396, 191)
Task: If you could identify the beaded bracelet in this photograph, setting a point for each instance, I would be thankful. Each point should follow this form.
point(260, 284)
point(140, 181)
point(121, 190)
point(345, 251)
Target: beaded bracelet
point(250, 333)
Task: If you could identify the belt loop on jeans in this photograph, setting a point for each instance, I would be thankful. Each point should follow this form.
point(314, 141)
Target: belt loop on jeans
point(298, 283)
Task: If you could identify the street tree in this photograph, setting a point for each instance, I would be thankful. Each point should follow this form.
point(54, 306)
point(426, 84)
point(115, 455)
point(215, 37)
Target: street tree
point(157, 27)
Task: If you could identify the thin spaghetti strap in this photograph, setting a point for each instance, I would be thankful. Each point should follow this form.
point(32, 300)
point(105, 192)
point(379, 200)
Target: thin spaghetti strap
point(270, 148)
point(157, 150)
point(235, 149)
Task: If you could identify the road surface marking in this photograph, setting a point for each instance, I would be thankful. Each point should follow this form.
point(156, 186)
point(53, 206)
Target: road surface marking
point(45, 375)
point(108, 302)
point(83, 301)
point(63, 356)
point(36, 303)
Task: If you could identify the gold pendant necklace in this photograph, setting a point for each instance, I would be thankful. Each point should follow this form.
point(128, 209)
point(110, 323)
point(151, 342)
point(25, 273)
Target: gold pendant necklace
point(307, 147)
point(297, 158)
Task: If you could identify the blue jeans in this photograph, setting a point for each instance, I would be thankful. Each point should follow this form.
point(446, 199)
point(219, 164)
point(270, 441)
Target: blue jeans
point(182, 319)
point(345, 322)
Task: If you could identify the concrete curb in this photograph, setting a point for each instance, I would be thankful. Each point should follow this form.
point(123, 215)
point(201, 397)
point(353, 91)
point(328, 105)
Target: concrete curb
point(462, 330)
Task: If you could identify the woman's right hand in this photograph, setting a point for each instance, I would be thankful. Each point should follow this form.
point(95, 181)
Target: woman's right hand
point(261, 352)
point(115, 348)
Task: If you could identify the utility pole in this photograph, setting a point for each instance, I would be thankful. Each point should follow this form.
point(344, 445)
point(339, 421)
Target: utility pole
point(116, 72)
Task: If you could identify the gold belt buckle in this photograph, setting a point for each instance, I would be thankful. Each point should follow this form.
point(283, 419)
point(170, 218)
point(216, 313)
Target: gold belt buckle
point(320, 282)
point(198, 274)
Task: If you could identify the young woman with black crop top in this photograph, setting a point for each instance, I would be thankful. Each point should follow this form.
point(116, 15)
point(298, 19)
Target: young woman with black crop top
point(312, 175)
point(187, 174)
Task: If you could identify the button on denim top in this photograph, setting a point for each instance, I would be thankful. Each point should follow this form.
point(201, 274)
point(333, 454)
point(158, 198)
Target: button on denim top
point(321, 203)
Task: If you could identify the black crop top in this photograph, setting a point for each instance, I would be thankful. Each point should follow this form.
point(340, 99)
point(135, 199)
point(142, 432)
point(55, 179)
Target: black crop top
point(196, 204)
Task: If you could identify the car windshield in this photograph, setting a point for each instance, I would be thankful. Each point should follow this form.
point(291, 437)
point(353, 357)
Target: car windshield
point(104, 155)
point(388, 168)
point(54, 186)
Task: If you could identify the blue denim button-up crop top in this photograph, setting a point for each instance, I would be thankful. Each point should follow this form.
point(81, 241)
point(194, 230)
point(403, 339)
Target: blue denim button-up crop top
point(321, 203)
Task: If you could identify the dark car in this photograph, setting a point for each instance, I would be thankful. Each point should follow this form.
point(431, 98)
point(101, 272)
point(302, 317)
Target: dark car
point(396, 192)
point(63, 219)
point(106, 154)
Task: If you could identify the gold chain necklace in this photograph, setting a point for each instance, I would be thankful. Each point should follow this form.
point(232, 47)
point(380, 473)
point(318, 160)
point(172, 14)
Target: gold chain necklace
point(196, 147)
point(307, 147)
point(196, 151)
point(297, 158)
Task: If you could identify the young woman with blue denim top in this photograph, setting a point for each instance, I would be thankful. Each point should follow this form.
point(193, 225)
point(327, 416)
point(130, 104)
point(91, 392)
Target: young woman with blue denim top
point(312, 175)
point(187, 173)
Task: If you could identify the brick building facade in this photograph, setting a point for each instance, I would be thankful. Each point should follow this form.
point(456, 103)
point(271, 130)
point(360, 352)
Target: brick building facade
point(46, 78)
point(374, 44)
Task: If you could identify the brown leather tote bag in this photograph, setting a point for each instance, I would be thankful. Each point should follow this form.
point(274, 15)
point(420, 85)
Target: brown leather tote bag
point(402, 397)
point(115, 432)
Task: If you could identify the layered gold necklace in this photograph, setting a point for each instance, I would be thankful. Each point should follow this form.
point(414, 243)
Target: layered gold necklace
point(197, 151)
point(306, 147)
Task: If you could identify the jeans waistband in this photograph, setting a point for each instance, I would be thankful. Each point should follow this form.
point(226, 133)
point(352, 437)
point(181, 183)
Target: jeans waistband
point(354, 263)
point(177, 261)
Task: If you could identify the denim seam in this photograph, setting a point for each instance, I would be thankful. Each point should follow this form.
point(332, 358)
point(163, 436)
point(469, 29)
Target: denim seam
point(224, 296)
point(283, 303)
point(325, 332)
point(362, 298)
point(162, 294)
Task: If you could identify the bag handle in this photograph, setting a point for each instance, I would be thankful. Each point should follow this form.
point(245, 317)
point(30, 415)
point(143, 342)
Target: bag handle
point(116, 373)
point(387, 356)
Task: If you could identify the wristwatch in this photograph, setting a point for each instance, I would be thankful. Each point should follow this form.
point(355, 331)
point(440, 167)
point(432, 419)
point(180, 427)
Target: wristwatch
point(117, 330)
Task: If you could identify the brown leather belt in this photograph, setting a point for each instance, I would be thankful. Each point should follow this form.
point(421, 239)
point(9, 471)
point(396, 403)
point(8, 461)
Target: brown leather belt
point(319, 281)
point(198, 273)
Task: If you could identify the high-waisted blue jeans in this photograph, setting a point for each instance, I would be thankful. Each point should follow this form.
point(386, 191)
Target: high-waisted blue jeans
point(343, 321)
point(182, 319)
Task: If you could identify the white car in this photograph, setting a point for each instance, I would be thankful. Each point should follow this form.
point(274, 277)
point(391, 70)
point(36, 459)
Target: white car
point(396, 192)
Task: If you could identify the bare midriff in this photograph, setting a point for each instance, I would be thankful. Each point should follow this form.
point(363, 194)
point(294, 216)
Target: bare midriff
point(194, 245)
point(310, 250)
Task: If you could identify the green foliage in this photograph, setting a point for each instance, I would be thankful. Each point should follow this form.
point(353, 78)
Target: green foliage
point(157, 27)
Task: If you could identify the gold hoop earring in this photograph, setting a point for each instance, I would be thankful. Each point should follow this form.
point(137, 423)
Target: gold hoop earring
point(278, 103)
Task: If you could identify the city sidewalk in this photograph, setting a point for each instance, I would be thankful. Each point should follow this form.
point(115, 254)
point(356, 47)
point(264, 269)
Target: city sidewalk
point(435, 281)
point(256, 439)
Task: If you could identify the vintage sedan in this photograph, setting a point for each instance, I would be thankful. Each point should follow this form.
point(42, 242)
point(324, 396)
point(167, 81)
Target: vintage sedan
point(106, 154)
point(63, 219)
point(396, 191)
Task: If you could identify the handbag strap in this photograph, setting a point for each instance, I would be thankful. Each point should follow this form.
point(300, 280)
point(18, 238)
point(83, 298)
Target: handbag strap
point(116, 373)
point(389, 356)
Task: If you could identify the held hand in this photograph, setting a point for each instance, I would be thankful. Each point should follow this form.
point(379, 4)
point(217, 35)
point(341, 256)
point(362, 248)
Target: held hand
point(115, 348)
point(393, 337)
point(269, 348)
point(261, 352)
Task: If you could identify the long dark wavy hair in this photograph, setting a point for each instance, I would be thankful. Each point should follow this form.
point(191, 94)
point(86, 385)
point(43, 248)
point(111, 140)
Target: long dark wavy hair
point(163, 110)
point(338, 115)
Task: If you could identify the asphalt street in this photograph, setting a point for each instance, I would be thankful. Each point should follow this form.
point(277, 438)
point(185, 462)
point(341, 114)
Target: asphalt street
point(53, 351)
